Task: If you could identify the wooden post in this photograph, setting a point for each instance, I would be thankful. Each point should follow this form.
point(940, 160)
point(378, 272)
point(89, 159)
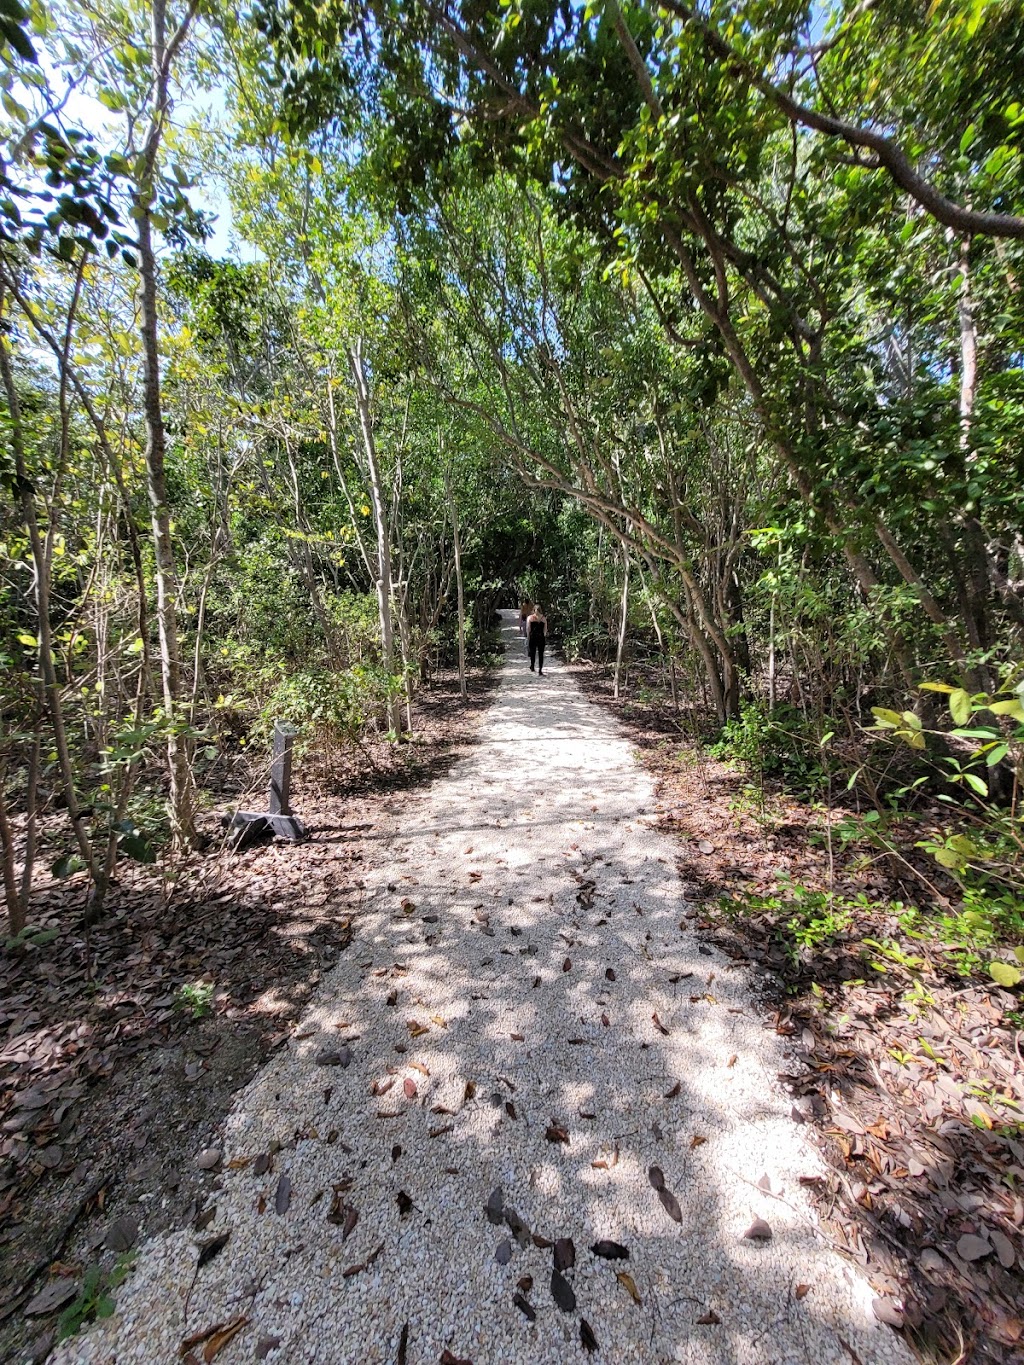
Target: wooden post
point(281, 769)
point(249, 826)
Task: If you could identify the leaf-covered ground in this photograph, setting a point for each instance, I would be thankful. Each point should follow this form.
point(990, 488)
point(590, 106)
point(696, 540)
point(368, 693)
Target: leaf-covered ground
point(120, 1051)
point(913, 1076)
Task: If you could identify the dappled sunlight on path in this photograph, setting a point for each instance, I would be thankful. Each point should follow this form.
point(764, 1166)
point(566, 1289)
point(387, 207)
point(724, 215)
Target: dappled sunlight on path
point(523, 1008)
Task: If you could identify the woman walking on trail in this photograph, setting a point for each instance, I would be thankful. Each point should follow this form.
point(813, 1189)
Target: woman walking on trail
point(536, 635)
point(524, 612)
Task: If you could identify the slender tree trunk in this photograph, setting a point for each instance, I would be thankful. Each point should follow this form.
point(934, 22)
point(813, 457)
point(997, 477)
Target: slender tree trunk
point(17, 903)
point(182, 785)
point(51, 684)
point(623, 616)
point(381, 524)
point(182, 788)
point(457, 545)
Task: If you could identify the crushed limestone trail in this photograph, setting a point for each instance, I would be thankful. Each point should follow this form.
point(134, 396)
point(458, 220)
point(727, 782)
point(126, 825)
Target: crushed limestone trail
point(525, 1020)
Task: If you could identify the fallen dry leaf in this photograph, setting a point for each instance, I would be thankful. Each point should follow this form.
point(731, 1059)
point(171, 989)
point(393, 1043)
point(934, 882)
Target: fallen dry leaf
point(656, 1176)
point(283, 1195)
point(1004, 1248)
point(564, 1253)
point(494, 1208)
point(671, 1094)
point(801, 1291)
point(410, 1089)
point(51, 1297)
point(759, 1231)
point(629, 1285)
point(610, 1251)
point(362, 1265)
point(561, 1292)
point(659, 1025)
point(556, 1133)
point(587, 1339)
point(671, 1205)
point(697, 1141)
point(216, 1338)
point(732, 1060)
point(709, 1319)
point(210, 1248)
point(971, 1248)
point(524, 1307)
point(887, 1311)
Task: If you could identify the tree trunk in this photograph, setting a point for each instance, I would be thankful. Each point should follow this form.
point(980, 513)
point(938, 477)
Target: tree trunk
point(381, 525)
point(51, 684)
point(182, 786)
point(623, 615)
point(457, 545)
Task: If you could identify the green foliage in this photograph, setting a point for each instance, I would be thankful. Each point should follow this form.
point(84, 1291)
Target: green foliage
point(780, 743)
point(196, 997)
point(31, 936)
point(330, 707)
point(95, 1297)
point(808, 919)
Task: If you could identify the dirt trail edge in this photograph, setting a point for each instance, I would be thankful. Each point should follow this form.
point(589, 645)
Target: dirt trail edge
point(522, 1046)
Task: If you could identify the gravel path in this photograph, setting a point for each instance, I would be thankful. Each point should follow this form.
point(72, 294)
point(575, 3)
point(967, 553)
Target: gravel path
point(520, 1012)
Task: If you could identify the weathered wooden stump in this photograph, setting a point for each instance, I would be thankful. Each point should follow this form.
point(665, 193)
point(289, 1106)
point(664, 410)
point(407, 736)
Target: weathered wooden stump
point(278, 817)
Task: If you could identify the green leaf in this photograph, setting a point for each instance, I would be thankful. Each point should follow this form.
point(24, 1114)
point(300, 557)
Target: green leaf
point(67, 866)
point(945, 857)
point(1012, 708)
point(976, 783)
point(137, 847)
point(969, 134)
point(960, 706)
point(1005, 975)
point(937, 687)
point(996, 755)
point(889, 720)
point(962, 845)
point(29, 641)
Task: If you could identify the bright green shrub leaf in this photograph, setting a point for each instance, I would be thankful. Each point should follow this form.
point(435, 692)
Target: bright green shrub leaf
point(1005, 975)
point(962, 845)
point(1008, 708)
point(890, 720)
point(960, 706)
point(946, 857)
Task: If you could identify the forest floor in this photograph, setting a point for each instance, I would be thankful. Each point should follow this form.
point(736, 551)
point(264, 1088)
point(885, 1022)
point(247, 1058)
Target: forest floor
point(912, 1074)
point(112, 1075)
point(530, 1115)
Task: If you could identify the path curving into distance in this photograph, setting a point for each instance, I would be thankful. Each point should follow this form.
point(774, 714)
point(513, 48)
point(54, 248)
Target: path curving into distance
point(490, 1039)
